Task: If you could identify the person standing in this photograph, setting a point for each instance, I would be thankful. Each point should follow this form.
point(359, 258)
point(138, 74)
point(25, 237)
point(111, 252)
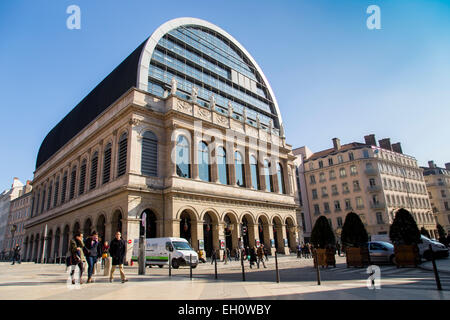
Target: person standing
point(117, 251)
point(77, 255)
point(338, 248)
point(213, 256)
point(266, 253)
point(253, 259)
point(93, 252)
point(16, 254)
point(299, 251)
point(260, 254)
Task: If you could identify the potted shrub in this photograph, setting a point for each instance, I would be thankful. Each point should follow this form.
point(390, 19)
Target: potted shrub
point(323, 240)
point(405, 236)
point(354, 236)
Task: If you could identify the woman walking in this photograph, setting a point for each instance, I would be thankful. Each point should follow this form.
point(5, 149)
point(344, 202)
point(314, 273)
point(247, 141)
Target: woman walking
point(77, 255)
point(93, 252)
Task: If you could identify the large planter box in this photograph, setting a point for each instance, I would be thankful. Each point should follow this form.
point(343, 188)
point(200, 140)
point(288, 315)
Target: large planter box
point(357, 257)
point(324, 257)
point(406, 255)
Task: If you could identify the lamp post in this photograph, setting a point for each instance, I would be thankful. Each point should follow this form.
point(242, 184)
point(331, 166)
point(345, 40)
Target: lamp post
point(13, 230)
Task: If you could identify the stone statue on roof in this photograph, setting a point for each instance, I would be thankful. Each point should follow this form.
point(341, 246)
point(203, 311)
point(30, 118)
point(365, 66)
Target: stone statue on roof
point(194, 94)
point(212, 102)
point(230, 109)
point(173, 82)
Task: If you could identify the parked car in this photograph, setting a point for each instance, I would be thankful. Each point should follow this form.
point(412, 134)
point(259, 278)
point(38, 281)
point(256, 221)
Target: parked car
point(381, 251)
point(439, 249)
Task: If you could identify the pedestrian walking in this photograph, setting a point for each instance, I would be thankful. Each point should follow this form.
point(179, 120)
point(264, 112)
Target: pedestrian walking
point(266, 253)
point(228, 254)
point(260, 254)
point(299, 251)
point(213, 256)
point(117, 251)
point(93, 252)
point(252, 254)
point(76, 255)
point(338, 248)
point(16, 254)
point(236, 254)
point(105, 253)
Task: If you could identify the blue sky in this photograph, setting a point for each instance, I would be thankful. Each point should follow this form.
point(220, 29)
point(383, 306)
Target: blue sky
point(332, 76)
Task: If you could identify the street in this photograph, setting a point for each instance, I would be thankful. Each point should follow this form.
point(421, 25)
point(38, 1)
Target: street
point(297, 281)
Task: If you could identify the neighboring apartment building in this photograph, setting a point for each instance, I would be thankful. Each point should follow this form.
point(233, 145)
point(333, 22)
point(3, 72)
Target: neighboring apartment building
point(19, 212)
point(180, 131)
point(373, 181)
point(5, 201)
point(438, 185)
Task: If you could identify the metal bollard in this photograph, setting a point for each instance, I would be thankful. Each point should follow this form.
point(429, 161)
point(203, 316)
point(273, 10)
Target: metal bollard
point(190, 266)
point(276, 267)
point(170, 266)
point(436, 274)
point(215, 268)
point(242, 264)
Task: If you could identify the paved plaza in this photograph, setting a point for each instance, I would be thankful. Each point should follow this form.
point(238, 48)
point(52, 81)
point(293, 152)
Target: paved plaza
point(297, 281)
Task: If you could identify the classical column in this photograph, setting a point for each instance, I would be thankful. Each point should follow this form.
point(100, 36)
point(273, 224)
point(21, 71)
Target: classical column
point(281, 232)
point(172, 154)
point(261, 172)
point(253, 234)
point(108, 229)
point(214, 166)
point(200, 235)
point(220, 236)
point(271, 237)
point(175, 226)
point(247, 170)
point(194, 156)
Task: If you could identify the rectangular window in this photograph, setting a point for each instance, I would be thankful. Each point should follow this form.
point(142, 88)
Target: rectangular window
point(365, 153)
point(337, 205)
point(342, 173)
point(330, 161)
point(443, 194)
point(345, 188)
point(326, 207)
point(353, 170)
point(324, 192)
point(339, 221)
point(356, 185)
point(446, 205)
point(320, 164)
point(322, 177)
point(340, 159)
point(314, 193)
point(332, 175)
point(350, 156)
point(312, 179)
point(316, 209)
point(359, 203)
point(334, 190)
point(348, 205)
point(379, 218)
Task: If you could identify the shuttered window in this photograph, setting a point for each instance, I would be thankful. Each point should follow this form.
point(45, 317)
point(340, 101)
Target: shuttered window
point(49, 197)
point(149, 159)
point(94, 166)
point(55, 198)
point(82, 177)
point(122, 155)
point(64, 188)
point(73, 176)
point(107, 164)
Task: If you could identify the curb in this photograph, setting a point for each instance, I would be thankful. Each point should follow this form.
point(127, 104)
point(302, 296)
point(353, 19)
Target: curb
point(430, 268)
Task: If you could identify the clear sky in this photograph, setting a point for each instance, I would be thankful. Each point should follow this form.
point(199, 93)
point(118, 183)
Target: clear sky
point(332, 76)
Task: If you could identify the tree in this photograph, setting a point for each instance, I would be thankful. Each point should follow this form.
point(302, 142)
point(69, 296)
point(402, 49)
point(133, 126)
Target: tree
point(354, 233)
point(322, 235)
point(424, 232)
point(404, 229)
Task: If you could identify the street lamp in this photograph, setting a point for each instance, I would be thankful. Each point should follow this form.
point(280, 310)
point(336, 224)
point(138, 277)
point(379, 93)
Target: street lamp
point(13, 230)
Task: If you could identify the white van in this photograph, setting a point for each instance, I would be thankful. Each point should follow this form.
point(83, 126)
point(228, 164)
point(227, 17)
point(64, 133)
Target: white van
point(157, 252)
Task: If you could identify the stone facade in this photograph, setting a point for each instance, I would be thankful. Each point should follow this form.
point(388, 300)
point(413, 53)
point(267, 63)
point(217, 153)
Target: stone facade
point(170, 201)
point(369, 180)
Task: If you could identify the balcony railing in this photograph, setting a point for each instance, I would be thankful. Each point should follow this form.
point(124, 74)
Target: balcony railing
point(373, 188)
point(370, 171)
point(377, 205)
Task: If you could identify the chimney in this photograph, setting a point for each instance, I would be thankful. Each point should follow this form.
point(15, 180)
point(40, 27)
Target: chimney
point(431, 164)
point(336, 143)
point(385, 143)
point(397, 147)
point(370, 140)
point(447, 166)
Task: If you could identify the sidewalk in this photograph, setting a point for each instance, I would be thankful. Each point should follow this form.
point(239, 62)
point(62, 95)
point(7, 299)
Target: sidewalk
point(442, 265)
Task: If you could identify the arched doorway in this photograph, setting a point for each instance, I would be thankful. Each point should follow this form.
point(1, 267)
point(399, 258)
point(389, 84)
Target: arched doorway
point(186, 226)
point(87, 229)
point(36, 247)
point(117, 222)
point(56, 245)
point(290, 234)
point(65, 244)
point(247, 231)
point(76, 228)
point(101, 221)
point(150, 224)
point(208, 234)
point(48, 247)
point(228, 229)
point(30, 250)
point(278, 234)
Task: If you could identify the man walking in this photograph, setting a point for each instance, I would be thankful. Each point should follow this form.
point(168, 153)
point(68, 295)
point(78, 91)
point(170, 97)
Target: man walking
point(16, 254)
point(117, 251)
point(213, 256)
point(260, 254)
point(93, 252)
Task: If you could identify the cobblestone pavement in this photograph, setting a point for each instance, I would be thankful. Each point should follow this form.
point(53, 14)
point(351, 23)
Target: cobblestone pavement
point(298, 280)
